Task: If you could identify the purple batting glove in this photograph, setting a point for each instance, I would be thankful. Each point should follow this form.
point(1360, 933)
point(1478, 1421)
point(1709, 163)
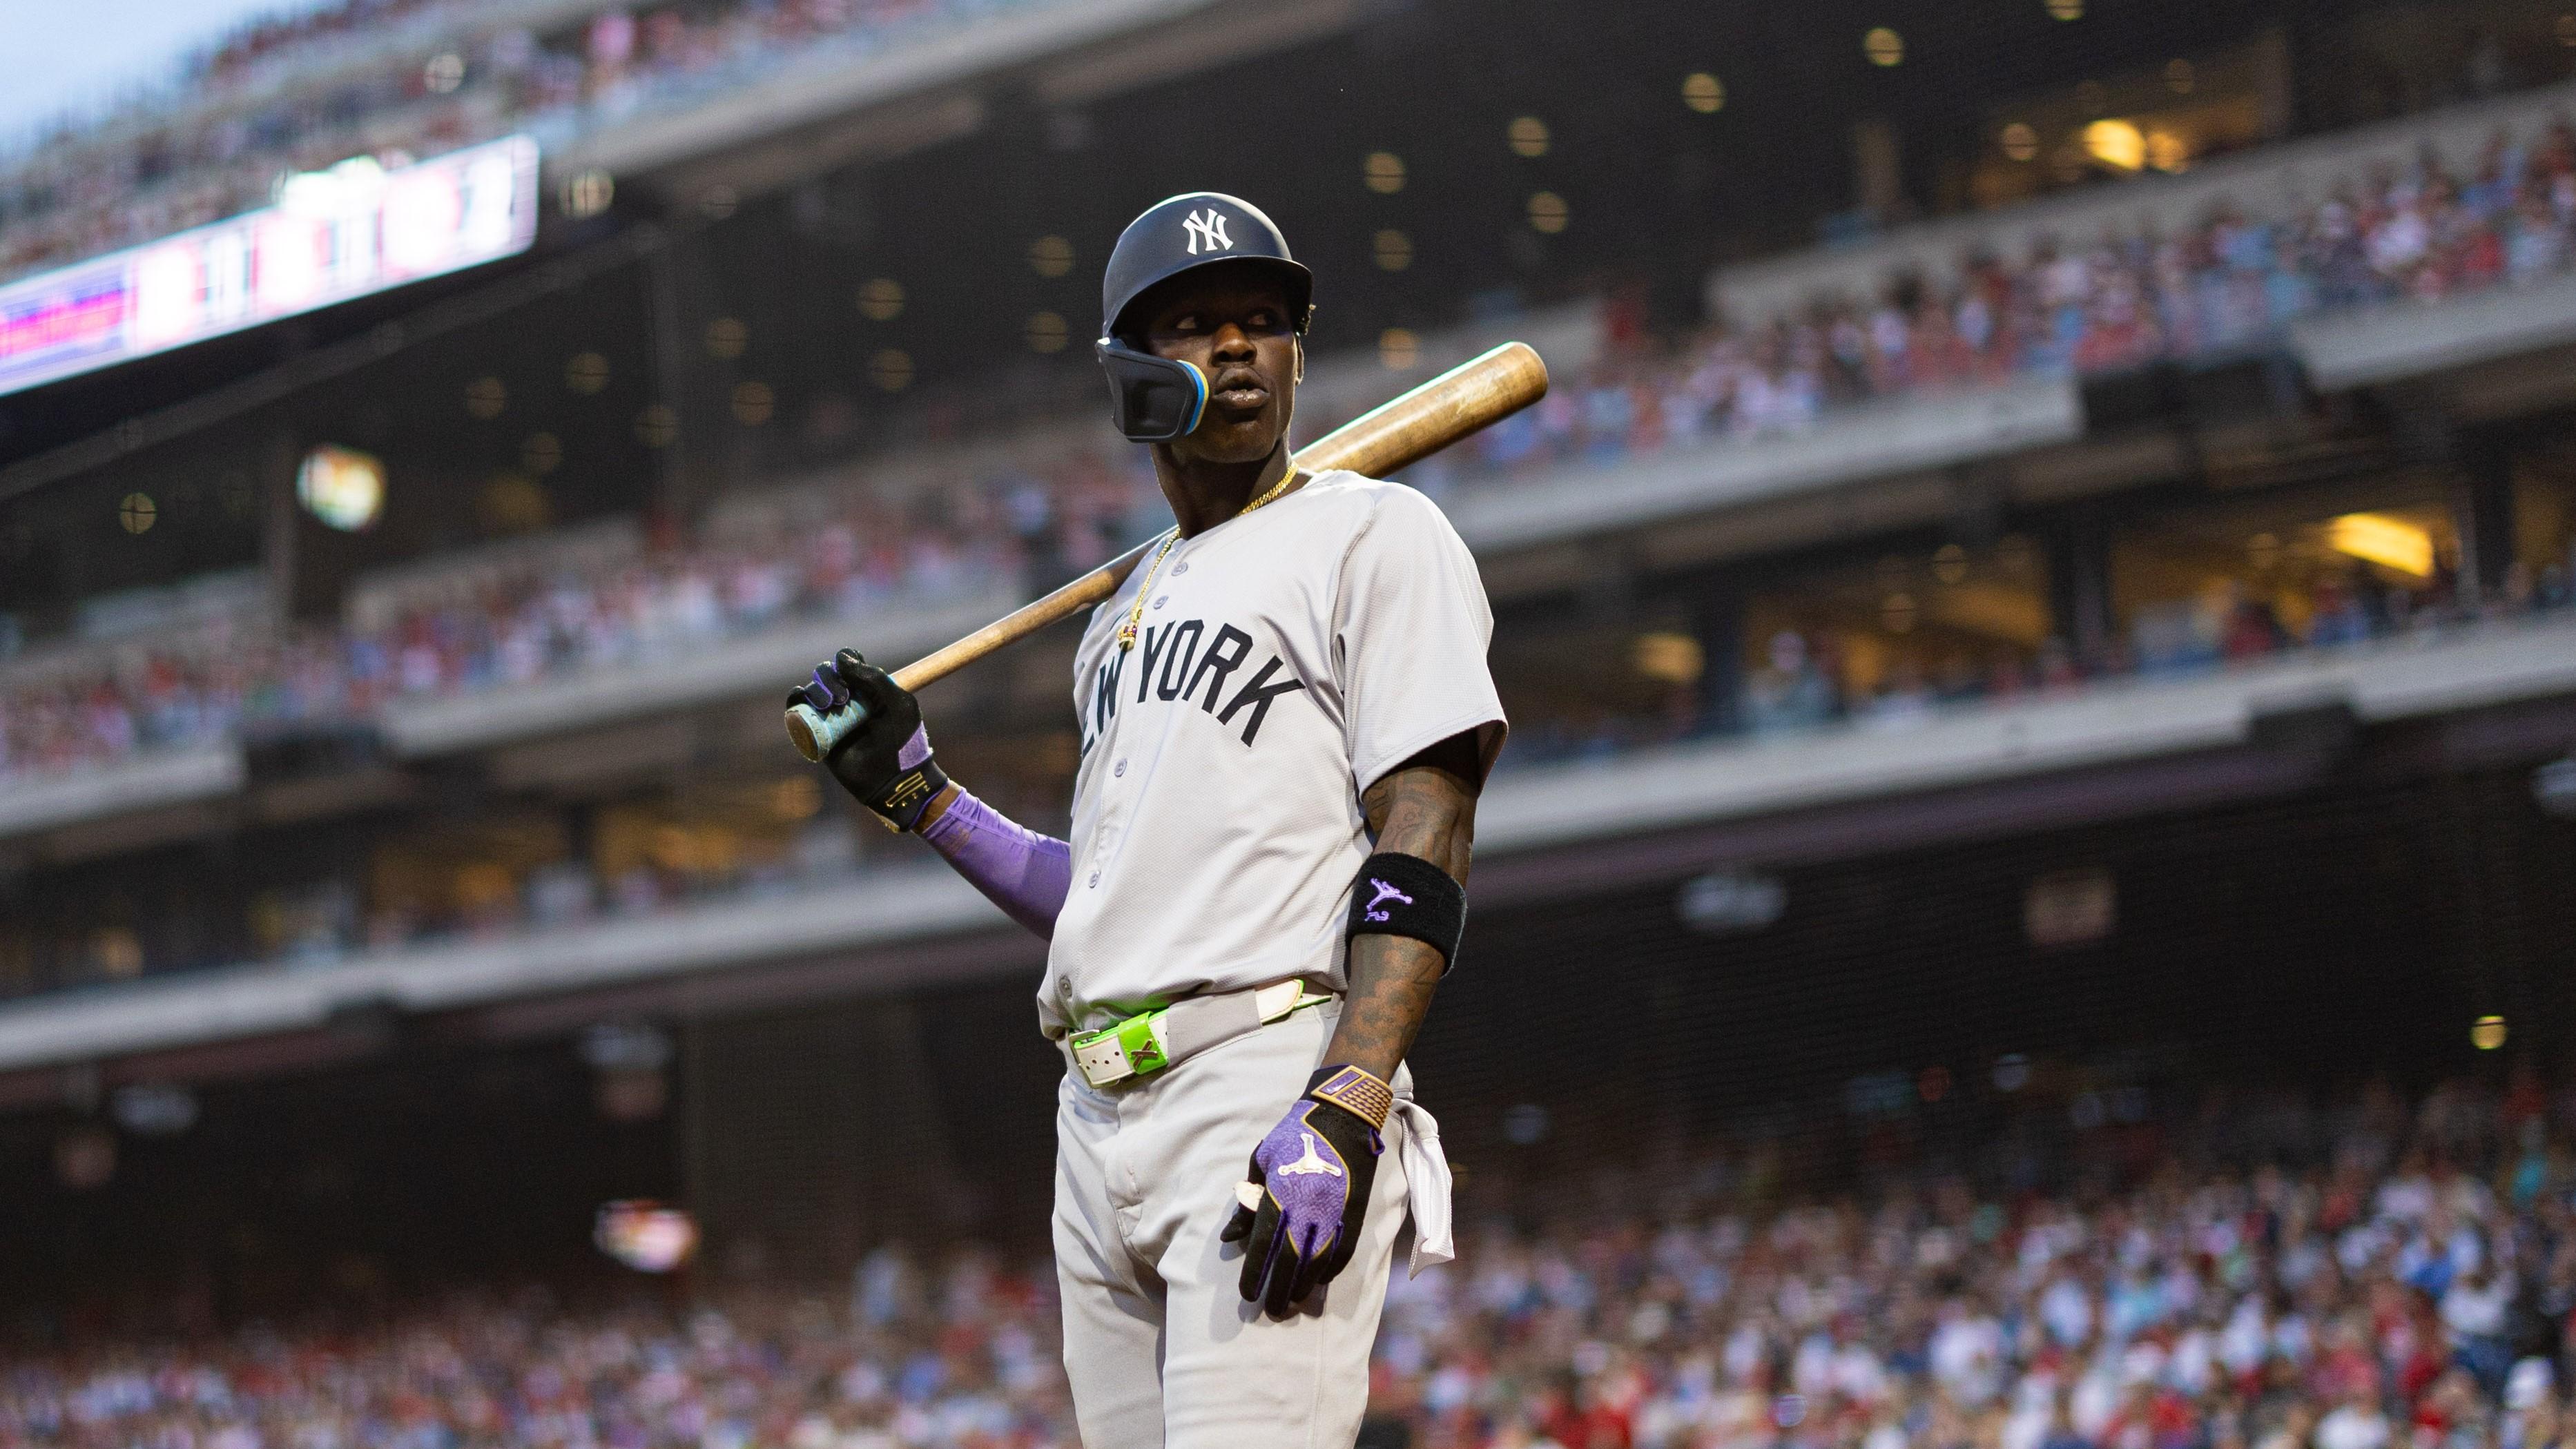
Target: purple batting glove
point(1313, 1172)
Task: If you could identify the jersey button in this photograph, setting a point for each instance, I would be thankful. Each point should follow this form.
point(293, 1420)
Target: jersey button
point(1121, 771)
point(1158, 603)
point(1095, 880)
point(1179, 569)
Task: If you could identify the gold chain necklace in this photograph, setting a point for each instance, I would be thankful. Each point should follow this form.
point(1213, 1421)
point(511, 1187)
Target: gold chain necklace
point(1136, 611)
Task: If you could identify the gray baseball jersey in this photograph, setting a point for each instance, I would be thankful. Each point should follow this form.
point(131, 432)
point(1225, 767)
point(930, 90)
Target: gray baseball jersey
point(1285, 660)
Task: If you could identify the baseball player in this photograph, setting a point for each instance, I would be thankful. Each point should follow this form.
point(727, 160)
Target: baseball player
point(1286, 718)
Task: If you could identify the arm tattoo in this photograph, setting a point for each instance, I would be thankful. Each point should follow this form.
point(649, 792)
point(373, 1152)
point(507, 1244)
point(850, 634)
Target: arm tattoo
point(1424, 807)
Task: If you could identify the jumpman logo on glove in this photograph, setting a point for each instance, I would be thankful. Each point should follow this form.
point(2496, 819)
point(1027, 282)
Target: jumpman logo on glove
point(1308, 1165)
point(1385, 893)
point(1305, 1192)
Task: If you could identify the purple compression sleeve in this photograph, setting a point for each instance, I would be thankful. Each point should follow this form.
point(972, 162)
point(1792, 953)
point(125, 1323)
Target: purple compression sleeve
point(1023, 872)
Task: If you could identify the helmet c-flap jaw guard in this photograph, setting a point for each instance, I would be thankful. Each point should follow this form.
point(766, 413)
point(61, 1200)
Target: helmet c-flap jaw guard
point(1154, 399)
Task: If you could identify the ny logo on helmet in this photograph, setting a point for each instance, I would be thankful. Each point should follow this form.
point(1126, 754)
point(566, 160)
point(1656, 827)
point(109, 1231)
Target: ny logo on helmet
point(1207, 226)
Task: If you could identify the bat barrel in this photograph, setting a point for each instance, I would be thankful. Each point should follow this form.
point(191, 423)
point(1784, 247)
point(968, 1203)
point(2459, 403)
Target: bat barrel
point(1412, 427)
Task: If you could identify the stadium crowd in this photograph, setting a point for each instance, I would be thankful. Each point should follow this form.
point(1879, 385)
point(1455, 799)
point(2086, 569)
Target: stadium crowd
point(525, 626)
point(2218, 285)
point(843, 552)
point(277, 98)
point(2222, 286)
point(2265, 1272)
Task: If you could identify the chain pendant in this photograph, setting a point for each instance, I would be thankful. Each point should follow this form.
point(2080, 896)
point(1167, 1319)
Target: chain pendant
point(1126, 635)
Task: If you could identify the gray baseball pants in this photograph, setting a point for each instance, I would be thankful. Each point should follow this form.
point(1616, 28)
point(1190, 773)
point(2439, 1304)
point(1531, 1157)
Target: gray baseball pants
point(1161, 1349)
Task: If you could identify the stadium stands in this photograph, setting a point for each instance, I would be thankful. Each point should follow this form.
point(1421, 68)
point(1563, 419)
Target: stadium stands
point(587, 920)
point(2253, 1269)
point(1733, 415)
point(596, 83)
point(155, 702)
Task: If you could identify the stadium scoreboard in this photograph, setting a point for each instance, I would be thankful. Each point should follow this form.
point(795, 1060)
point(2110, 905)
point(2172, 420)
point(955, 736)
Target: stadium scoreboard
point(334, 235)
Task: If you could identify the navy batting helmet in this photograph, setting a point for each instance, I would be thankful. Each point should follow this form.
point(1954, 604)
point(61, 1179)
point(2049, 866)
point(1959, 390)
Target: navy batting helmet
point(1154, 399)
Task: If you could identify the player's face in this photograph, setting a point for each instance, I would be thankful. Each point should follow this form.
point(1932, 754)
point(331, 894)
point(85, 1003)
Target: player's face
point(1237, 332)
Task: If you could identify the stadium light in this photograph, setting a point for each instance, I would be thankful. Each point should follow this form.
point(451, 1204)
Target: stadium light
point(2116, 144)
point(1668, 658)
point(881, 299)
point(2389, 542)
point(342, 487)
point(645, 1235)
point(587, 193)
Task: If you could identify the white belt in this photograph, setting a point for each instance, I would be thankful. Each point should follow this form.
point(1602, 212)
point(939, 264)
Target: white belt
point(1153, 1040)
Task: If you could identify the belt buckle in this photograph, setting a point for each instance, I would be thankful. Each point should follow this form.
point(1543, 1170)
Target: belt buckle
point(1131, 1048)
point(1100, 1058)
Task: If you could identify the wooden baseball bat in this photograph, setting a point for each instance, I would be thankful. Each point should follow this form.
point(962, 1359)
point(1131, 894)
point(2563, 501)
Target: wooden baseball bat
point(1474, 395)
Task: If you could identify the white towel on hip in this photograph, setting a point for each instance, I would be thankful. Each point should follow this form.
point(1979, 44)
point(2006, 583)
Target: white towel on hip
point(1426, 1176)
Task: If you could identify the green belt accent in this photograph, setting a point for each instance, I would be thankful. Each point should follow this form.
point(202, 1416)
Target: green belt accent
point(1140, 1042)
point(1136, 1038)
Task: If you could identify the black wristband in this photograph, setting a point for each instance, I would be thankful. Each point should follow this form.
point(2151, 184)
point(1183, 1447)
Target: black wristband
point(1405, 895)
point(900, 801)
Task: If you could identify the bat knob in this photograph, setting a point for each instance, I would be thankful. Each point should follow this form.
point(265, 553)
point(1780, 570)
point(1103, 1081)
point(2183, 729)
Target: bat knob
point(814, 733)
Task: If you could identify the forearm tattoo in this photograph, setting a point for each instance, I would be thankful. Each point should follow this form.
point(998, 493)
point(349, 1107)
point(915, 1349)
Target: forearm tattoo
point(1425, 807)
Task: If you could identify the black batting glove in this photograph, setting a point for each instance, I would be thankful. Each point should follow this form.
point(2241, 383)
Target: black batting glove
point(886, 762)
point(1313, 1173)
